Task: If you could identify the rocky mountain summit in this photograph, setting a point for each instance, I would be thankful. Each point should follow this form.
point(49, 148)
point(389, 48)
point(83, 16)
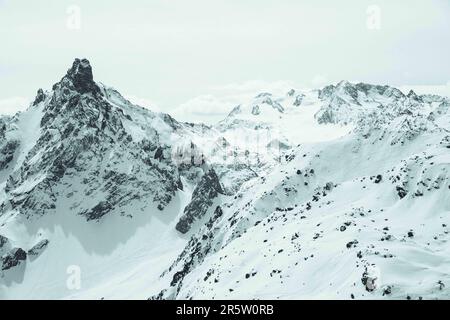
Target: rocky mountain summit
point(83, 143)
point(83, 150)
point(341, 192)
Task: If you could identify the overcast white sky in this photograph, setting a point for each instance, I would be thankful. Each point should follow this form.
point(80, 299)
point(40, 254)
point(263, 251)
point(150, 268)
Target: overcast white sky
point(176, 52)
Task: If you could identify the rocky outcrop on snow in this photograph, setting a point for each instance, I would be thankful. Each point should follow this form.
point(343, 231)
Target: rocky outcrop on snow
point(197, 249)
point(267, 99)
point(38, 248)
point(4, 244)
point(13, 258)
point(7, 153)
point(40, 97)
point(298, 100)
point(8, 141)
point(202, 199)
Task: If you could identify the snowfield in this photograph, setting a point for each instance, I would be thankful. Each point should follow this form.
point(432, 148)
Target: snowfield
point(338, 193)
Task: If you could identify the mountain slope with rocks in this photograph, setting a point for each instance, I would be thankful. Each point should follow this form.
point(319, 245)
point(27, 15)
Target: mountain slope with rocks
point(82, 155)
point(359, 217)
point(338, 193)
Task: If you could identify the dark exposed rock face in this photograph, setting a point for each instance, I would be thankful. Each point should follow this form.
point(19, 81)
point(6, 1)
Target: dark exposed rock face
point(369, 280)
point(274, 104)
point(7, 151)
point(13, 258)
point(98, 211)
point(39, 97)
point(3, 242)
point(83, 135)
point(255, 110)
point(81, 77)
point(38, 248)
point(8, 143)
point(412, 95)
point(401, 192)
point(202, 198)
point(378, 178)
point(159, 155)
point(298, 100)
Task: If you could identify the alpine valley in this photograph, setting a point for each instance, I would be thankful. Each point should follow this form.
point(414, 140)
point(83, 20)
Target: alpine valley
point(337, 193)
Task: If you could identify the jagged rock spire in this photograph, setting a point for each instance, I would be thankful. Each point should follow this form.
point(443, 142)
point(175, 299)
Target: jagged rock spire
point(81, 77)
point(39, 97)
point(412, 95)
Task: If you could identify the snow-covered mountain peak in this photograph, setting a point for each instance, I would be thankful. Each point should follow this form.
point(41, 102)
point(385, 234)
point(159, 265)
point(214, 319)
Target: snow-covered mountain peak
point(362, 103)
point(281, 116)
point(87, 130)
point(359, 92)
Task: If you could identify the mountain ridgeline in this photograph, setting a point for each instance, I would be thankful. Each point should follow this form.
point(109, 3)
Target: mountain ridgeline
point(342, 192)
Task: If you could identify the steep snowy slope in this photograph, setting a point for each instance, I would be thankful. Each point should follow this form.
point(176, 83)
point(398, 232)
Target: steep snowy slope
point(363, 216)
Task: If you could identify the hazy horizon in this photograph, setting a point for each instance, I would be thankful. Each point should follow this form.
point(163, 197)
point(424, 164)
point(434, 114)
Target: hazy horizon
point(179, 57)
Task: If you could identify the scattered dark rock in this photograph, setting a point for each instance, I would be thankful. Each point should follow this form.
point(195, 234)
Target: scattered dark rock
point(387, 290)
point(298, 100)
point(401, 192)
point(159, 154)
point(13, 258)
point(369, 280)
point(329, 186)
point(37, 249)
point(351, 244)
point(98, 211)
point(3, 241)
